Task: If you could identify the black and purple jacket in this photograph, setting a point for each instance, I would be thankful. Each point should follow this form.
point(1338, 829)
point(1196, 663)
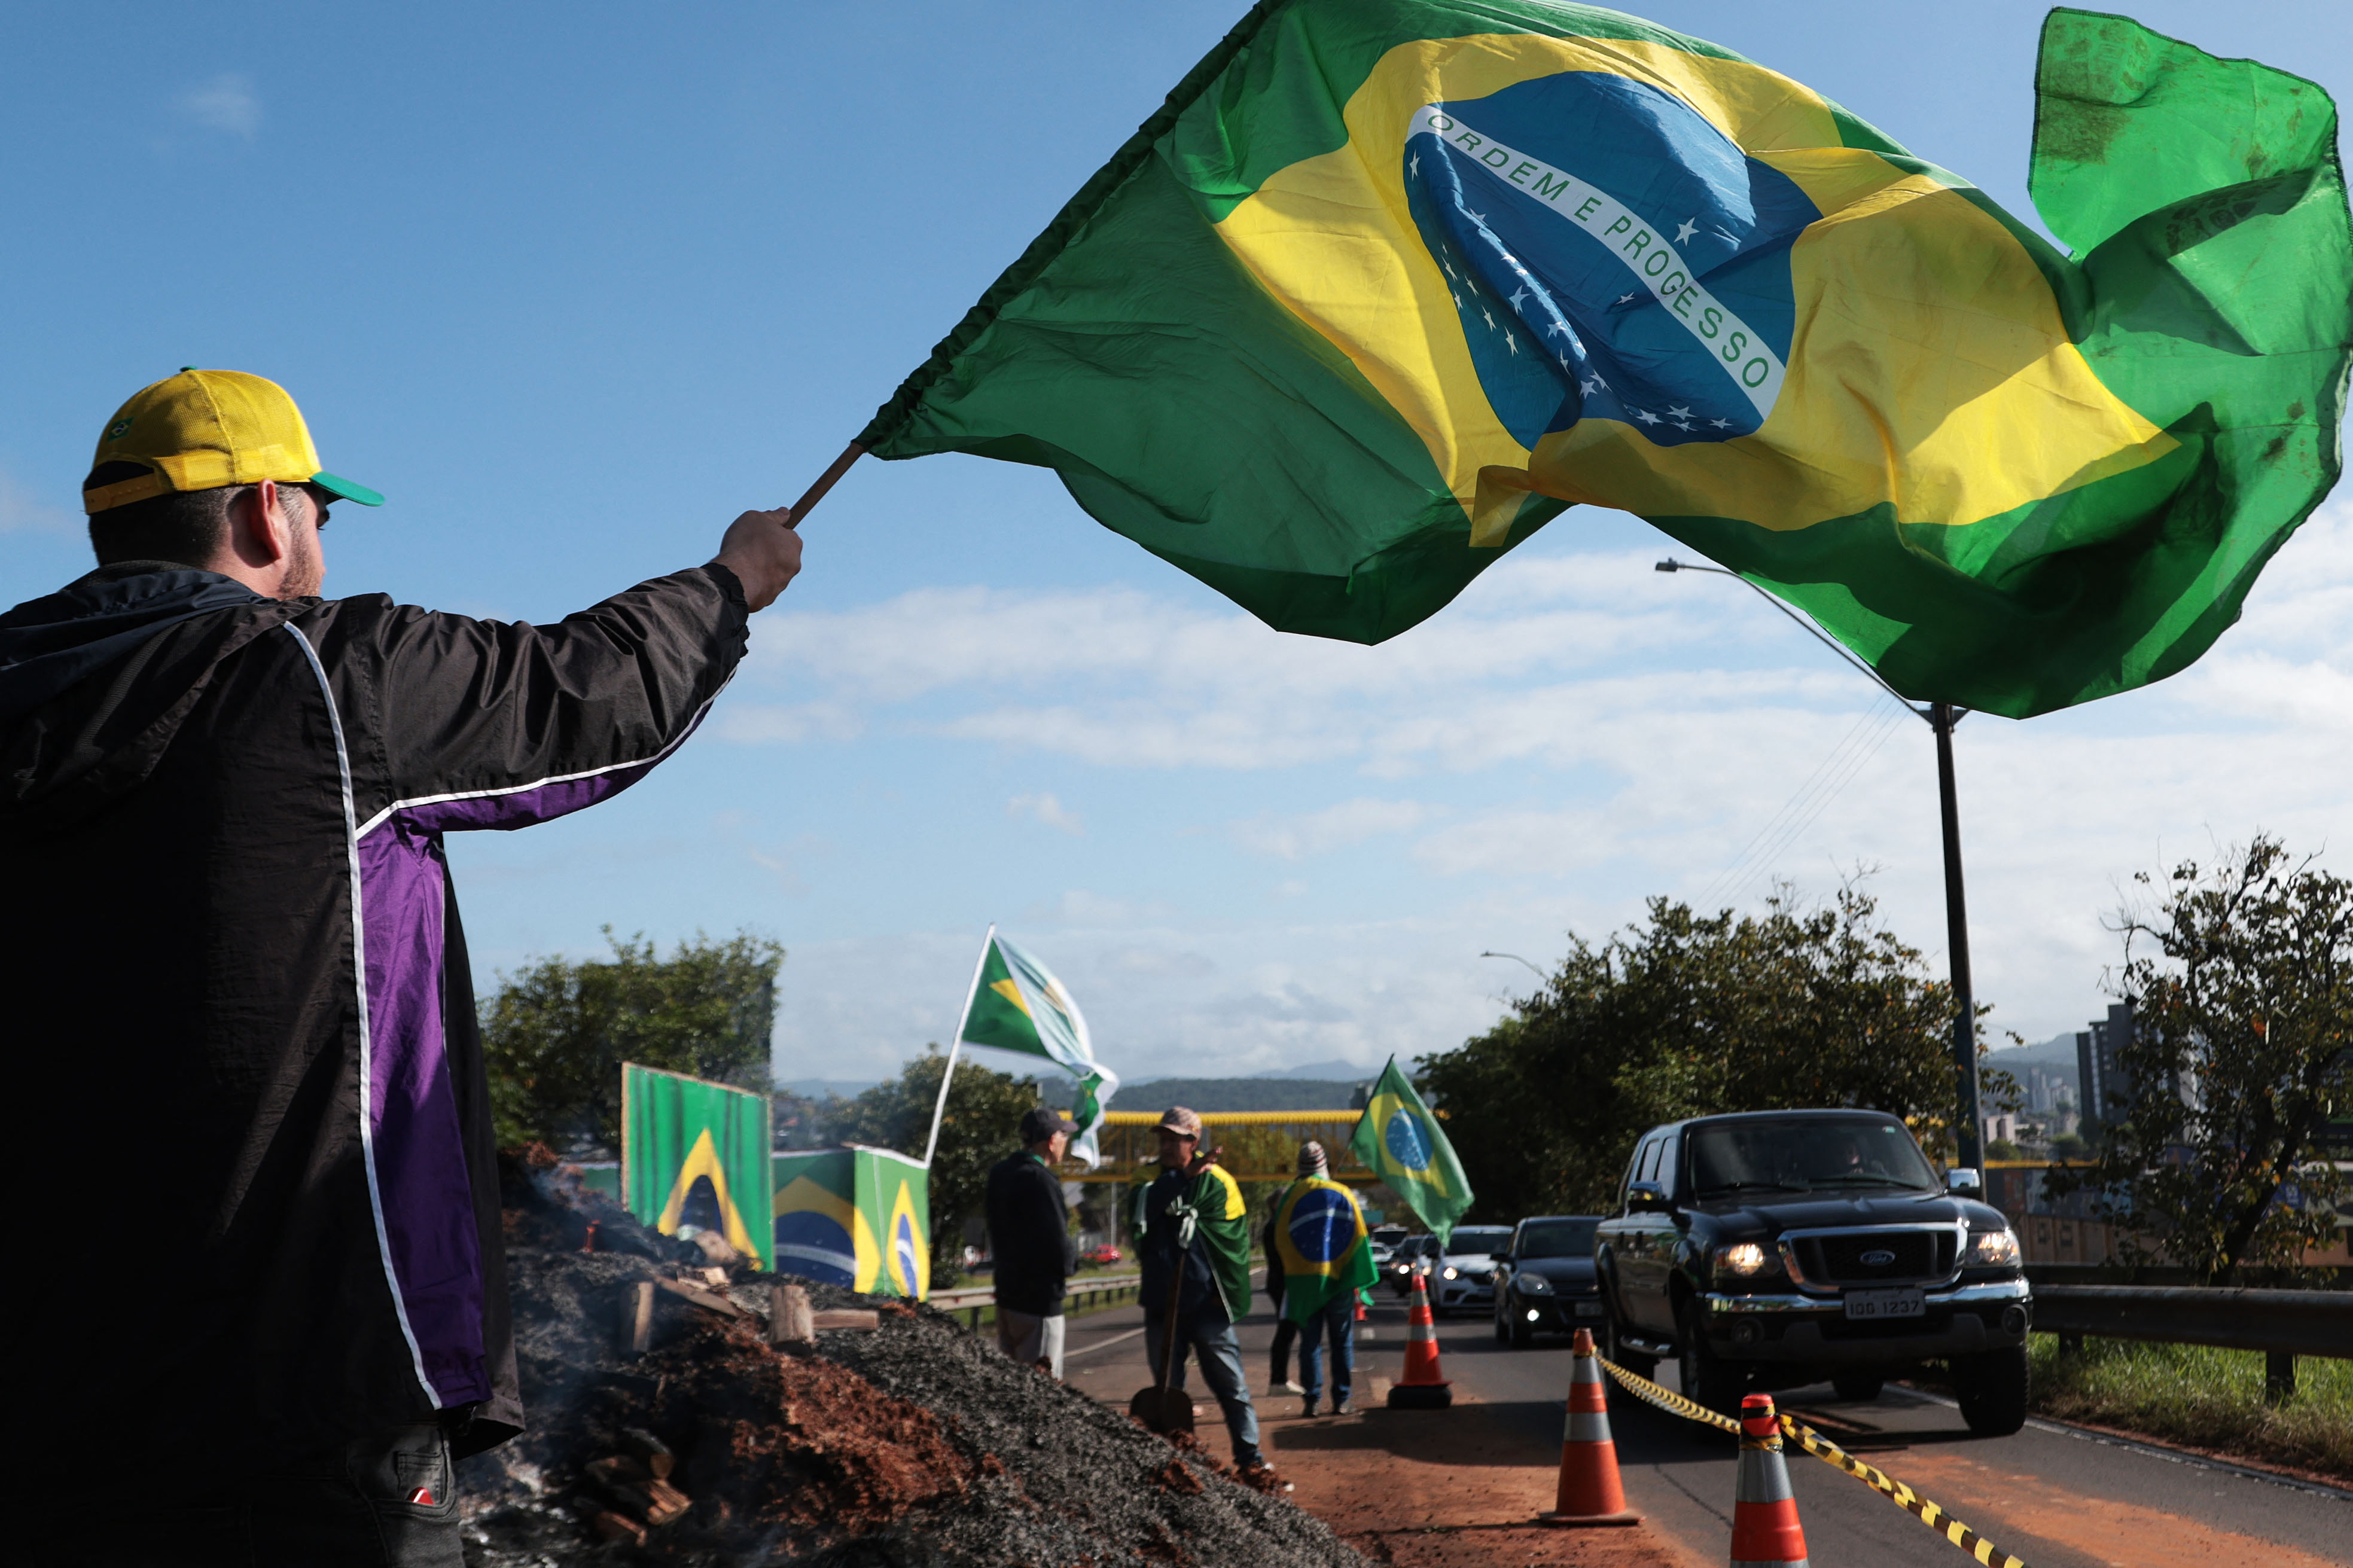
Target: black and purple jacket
point(229, 940)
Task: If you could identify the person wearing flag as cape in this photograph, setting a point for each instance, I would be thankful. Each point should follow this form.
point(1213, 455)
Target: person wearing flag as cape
point(1326, 1254)
point(1216, 1272)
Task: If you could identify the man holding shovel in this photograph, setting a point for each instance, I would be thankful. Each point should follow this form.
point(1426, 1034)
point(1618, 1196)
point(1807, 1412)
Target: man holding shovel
point(1192, 1236)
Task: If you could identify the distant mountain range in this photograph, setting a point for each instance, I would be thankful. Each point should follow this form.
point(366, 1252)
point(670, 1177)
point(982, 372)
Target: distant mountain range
point(1221, 1093)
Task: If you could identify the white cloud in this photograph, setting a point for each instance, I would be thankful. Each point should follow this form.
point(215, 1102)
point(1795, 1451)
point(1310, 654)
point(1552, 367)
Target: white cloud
point(225, 103)
point(1334, 828)
point(1045, 810)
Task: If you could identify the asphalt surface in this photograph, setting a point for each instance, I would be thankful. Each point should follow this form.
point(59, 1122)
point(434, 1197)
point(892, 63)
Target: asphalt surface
point(2051, 1495)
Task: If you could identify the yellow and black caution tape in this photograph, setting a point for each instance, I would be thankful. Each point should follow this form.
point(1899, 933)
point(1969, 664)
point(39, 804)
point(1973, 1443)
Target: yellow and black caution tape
point(1830, 1453)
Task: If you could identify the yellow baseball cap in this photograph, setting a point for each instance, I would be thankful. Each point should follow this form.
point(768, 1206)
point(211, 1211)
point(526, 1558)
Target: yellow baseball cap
point(202, 429)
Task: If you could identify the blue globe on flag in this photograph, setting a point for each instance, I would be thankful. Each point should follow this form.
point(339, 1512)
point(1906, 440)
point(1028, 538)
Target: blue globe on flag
point(1323, 1225)
point(1409, 1144)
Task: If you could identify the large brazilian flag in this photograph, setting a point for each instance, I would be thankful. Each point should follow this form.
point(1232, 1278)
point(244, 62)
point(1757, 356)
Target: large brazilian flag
point(1386, 284)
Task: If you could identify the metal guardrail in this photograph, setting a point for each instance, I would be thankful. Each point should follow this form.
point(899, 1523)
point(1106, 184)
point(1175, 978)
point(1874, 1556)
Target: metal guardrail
point(1081, 1293)
point(2279, 1322)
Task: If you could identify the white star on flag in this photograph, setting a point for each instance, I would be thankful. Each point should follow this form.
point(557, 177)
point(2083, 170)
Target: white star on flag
point(1678, 413)
point(1590, 385)
point(1414, 168)
point(1490, 319)
point(1518, 298)
point(1623, 298)
point(1512, 344)
point(1721, 423)
point(1646, 417)
point(1690, 226)
point(1558, 326)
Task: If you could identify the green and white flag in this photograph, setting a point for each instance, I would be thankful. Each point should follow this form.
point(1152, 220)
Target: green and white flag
point(1399, 1139)
point(1018, 1006)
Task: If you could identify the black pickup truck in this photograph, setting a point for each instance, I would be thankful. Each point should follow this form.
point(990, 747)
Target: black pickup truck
point(1781, 1247)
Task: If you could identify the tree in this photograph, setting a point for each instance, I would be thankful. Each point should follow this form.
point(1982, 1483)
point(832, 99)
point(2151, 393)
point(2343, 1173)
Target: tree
point(982, 1125)
point(556, 1032)
point(1684, 1015)
point(2241, 1058)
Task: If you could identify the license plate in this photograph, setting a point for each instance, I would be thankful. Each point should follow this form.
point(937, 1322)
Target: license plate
point(1886, 1304)
point(1589, 1309)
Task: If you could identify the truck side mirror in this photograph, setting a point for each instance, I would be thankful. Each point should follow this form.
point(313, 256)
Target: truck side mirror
point(1647, 1197)
point(1962, 1181)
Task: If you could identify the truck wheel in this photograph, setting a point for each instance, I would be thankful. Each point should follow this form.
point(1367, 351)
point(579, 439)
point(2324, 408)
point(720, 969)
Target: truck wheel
point(1991, 1387)
point(1859, 1387)
point(1707, 1378)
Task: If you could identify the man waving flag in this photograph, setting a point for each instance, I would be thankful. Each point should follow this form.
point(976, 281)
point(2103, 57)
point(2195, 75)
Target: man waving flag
point(1399, 1139)
point(1325, 1256)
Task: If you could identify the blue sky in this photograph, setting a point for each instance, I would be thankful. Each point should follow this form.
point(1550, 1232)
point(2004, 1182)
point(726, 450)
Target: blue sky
point(573, 285)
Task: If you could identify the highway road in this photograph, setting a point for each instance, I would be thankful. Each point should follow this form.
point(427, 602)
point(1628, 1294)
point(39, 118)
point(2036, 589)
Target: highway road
point(2051, 1495)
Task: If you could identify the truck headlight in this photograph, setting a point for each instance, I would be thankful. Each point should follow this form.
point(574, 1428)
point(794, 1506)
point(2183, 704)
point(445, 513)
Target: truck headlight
point(1742, 1258)
point(1450, 1272)
point(1993, 1249)
point(1533, 1284)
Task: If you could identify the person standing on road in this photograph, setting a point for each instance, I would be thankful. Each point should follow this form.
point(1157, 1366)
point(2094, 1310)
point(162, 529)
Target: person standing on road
point(1319, 1237)
point(230, 924)
point(1215, 1270)
point(1286, 1332)
point(1030, 1237)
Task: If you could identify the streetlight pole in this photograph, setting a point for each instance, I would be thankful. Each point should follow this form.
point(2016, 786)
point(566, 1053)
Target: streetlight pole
point(1941, 717)
point(1516, 958)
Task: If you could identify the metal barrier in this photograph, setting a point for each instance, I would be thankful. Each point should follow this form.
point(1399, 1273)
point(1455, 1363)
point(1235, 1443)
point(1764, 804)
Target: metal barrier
point(2284, 1322)
point(1081, 1293)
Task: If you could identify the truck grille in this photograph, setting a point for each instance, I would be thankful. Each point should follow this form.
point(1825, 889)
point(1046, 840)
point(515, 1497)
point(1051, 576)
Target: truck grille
point(1876, 1257)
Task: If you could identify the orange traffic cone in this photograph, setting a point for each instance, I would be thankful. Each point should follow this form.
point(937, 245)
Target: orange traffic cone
point(1765, 1531)
point(1420, 1388)
point(1590, 1492)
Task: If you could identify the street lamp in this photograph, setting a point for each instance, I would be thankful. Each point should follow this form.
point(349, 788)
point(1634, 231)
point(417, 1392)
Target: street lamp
point(1516, 958)
point(1941, 717)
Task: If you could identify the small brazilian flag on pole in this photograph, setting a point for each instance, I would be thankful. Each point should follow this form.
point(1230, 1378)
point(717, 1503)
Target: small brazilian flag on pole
point(1326, 1250)
point(1018, 1005)
point(1399, 1139)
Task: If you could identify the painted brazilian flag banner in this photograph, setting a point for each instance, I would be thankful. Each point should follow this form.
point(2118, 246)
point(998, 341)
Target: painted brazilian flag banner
point(856, 1218)
point(1387, 284)
point(1399, 1141)
point(1326, 1250)
point(696, 1153)
point(1018, 1005)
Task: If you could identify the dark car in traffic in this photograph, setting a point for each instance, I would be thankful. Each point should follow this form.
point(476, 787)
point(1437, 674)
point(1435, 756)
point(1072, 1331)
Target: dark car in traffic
point(1544, 1282)
point(1774, 1249)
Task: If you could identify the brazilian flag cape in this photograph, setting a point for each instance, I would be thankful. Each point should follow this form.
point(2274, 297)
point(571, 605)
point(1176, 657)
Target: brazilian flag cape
point(1399, 1141)
point(1386, 284)
point(1222, 1230)
point(1320, 1240)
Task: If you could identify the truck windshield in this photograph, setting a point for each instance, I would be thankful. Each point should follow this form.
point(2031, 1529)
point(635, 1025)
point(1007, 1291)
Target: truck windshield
point(1555, 1238)
point(1804, 1155)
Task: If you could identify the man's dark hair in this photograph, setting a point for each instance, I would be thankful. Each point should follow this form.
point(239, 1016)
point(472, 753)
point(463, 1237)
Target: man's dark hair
point(186, 526)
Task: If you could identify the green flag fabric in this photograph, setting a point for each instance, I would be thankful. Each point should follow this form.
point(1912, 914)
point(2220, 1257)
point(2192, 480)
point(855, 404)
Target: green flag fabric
point(1018, 1005)
point(1221, 1228)
point(1320, 1240)
point(1399, 1141)
point(694, 1152)
point(1385, 285)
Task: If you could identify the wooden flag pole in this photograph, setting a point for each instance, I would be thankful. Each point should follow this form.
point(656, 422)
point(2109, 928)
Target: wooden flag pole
point(825, 481)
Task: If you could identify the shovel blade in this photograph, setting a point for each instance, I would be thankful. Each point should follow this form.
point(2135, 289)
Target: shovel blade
point(1164, 1410)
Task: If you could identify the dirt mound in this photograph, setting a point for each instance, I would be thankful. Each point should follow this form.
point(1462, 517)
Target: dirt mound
point(914, 1443)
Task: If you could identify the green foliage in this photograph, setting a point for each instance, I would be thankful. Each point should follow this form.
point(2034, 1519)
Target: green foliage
point(2070, 1146)
point(2242, 1056)
point(1687, 1015)
point(981, 1126)
point(2211, 1398)
point(2003, 1149)
point(556, 1032)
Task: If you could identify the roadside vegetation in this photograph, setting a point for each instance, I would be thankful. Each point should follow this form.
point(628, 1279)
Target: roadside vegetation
point(2200, 1398)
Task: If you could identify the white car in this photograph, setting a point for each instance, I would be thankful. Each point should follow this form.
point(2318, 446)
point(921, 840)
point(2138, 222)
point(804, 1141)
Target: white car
point(1464, 1276)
